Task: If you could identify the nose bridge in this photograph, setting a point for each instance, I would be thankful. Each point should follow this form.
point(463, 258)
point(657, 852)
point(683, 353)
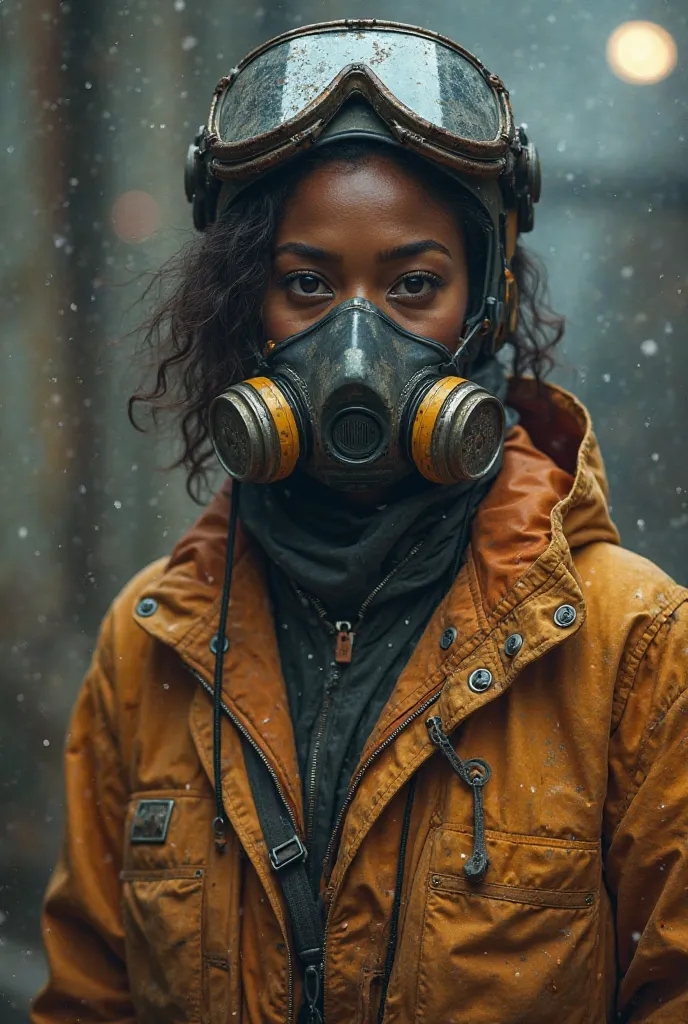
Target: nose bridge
point(360, 377)
point(355, 328)
point(359, 319)
point(360, 355)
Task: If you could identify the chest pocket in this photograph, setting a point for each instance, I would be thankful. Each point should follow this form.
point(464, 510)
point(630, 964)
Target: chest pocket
point(521, 944)
point(163, 880)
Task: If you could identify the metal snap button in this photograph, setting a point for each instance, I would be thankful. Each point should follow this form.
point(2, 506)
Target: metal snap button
point(447, 638)
point(565, 616)
point(146, 606)
point(213, 645)
point(480, 680)
point(513, 644)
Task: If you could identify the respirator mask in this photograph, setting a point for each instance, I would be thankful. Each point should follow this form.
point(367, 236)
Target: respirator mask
point(355, 399)
point(360, 402)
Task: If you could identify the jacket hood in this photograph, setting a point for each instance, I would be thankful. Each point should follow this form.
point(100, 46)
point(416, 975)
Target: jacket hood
point(560, 427)
point(551, 496)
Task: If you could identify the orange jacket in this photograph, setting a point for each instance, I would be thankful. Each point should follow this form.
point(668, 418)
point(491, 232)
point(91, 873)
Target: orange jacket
point(582, 916)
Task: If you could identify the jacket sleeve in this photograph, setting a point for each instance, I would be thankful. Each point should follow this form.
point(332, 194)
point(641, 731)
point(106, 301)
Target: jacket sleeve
point(647, 826)
point(82, 926)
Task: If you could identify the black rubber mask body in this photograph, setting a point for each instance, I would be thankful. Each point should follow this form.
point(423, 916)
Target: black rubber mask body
point(358, 377)
point(359, 403)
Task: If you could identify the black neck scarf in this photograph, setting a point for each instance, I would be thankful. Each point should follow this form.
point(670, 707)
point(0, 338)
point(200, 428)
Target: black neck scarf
point(339, 551)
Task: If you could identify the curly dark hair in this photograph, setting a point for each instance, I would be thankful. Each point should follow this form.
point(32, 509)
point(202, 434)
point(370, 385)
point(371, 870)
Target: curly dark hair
point(205, 330)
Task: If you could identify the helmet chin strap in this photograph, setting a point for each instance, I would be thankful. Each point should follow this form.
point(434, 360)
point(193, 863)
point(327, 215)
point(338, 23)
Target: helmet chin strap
point(465, 340)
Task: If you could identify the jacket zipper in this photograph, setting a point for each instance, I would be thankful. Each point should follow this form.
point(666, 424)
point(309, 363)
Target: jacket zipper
point(334, 678)
point(232, 717)
point(349, 797)
point(335, 630)
point(327, 699)
point(321, 726)
point(315, 754)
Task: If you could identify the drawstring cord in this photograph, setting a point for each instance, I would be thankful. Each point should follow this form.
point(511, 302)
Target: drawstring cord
point(218, 645)
point(476, 774)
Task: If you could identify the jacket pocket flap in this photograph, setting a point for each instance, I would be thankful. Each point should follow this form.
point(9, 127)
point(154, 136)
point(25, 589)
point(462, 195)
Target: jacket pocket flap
point(523, 863)
point(571, 900)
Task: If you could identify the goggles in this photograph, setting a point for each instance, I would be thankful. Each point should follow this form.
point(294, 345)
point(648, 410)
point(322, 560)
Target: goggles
point(431, 93)
point(434, 96)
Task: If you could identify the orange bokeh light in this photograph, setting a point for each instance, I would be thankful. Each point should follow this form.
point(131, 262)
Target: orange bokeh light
point(641, 52)
point(135, 216)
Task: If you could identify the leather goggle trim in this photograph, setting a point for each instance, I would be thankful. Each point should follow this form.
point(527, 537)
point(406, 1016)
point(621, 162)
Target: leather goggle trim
point(359, 77)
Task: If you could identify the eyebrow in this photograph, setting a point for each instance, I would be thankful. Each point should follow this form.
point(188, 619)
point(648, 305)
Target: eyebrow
point(311, 252)
point(399, 252)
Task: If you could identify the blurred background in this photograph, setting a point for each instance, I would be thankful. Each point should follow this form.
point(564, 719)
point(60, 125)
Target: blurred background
point(99, 100)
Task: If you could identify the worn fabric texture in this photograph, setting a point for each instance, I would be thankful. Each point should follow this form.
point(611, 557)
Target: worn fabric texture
point(334, 707)
point(581, 915)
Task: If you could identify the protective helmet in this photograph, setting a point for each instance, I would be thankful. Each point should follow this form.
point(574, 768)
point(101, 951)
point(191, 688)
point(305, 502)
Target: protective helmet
point(393, 83)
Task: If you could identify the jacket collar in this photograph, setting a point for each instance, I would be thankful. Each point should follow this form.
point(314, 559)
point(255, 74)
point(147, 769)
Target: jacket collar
point(549, 498)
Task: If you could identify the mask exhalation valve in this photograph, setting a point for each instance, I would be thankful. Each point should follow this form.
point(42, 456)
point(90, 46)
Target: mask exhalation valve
point(356, 435)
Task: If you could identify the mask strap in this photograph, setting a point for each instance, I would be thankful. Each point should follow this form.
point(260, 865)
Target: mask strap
point(465, 341)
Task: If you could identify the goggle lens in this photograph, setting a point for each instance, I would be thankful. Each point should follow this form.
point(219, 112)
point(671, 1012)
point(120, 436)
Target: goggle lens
point(435, 82)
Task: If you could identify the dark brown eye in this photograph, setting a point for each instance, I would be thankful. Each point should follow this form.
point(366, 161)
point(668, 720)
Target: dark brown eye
point(308, 283)
point(414, 284)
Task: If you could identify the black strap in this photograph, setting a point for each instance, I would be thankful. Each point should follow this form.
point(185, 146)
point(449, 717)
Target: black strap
point(396, 906)
point(288, 859)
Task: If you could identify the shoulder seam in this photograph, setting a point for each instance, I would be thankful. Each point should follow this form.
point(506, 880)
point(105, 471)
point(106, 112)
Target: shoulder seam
point(639, 772)
point(142, 579)
point(630, 665)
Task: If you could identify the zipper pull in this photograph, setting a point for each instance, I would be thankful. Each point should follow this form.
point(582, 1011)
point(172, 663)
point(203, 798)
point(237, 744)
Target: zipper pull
point(311, 989)
point(344, 643)
point(475, 773)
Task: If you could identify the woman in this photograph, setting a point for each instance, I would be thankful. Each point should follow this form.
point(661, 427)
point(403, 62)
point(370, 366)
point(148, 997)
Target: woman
point(398, 731)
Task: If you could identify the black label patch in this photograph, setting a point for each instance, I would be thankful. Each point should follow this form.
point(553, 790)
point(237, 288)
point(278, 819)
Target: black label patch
point(151, 821)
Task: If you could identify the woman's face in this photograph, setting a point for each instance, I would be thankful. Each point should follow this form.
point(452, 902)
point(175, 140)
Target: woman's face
point(369, 230)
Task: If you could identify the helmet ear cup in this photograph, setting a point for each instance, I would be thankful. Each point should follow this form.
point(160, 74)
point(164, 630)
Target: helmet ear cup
point(201, 189)
point(527, 177)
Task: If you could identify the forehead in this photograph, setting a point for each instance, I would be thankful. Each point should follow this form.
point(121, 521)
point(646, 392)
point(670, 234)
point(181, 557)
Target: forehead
point(341, 195)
